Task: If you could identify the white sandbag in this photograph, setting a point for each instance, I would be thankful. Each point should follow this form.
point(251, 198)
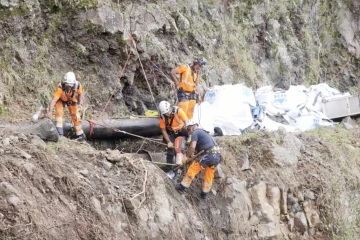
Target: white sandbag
point(210, 96)
point(289, 99)
point(271, 125)
point(272, 111)
point(310, 120)
point(204, 116)
point(319, 92)
point(264, 95)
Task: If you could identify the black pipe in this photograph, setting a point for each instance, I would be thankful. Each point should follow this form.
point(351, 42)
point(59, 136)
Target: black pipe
point(103, 129)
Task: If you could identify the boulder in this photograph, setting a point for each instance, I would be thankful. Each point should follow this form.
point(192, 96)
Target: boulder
point(105, 17)
point(9, 3)
point(113, 155)
point(182, 22)
point(300, 222)
point(238, 199)
point(266, 231)
point(286, 154)
point(45, 129)
point(260, 202)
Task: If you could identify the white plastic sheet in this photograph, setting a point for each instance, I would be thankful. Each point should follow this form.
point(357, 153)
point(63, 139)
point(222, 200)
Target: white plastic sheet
point(204, 116)
point(231, 107)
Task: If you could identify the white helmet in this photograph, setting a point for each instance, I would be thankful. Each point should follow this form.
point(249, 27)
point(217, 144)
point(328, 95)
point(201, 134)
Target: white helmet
point(69, 79)
point(190, 122)
point(164, 107)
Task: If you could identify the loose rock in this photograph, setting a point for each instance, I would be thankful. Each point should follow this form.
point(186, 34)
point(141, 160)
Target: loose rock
point(84, 172)
point(107, 165)
point(6, 141)
point(38, 142)
point(300, 222)
point(13, 200)
point(113, 155)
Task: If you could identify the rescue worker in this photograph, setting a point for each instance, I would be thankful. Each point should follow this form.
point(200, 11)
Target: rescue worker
point(208, 160)
point(69, 92)
point(172, 125)
point(187, 86)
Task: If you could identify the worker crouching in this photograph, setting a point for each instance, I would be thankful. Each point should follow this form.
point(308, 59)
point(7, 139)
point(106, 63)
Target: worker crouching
point(69, 93)
point(201, 140)
point(172, 125)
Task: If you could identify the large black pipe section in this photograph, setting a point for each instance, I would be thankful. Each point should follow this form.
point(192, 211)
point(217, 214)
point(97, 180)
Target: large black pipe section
point(104, 129)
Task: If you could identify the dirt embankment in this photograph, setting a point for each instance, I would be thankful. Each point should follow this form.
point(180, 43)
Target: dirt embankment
point(271, 186)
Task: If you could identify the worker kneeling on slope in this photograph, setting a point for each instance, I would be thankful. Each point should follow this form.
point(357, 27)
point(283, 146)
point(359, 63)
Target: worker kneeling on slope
point(69, 92)
point(208, 160)
point(172, 125)
point(187, 92)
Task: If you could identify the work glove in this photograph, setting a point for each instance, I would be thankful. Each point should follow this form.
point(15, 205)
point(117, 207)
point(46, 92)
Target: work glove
point(184, 160)
point(170, 145)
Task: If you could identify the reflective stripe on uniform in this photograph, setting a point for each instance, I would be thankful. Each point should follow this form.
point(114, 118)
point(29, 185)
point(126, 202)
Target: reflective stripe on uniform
point(59, 122)
point(81, 132)
point(78, 130)
point(206, 187)
point(186, 181)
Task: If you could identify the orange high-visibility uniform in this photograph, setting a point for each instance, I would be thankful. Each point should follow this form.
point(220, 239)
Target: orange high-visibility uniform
point(208, 160)
point(175, 128)
point(176, 123)
point(193, 170)
point(71, 101)
point(189, 80)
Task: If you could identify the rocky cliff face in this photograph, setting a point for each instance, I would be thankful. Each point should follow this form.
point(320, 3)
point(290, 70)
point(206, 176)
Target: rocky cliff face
point(256, 42)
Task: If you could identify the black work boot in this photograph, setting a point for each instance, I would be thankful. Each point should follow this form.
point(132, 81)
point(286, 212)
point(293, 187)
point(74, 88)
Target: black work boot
point(203, 195)
point(81, 138)
point(181, 189)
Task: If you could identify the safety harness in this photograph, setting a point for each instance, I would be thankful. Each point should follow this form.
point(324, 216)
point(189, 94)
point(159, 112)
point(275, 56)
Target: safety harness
point(67, 93)
point(174, 114)
point(214, 149)
point(185, 80)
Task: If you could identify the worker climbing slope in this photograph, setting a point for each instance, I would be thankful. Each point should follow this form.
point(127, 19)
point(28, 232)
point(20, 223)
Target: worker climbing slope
point(208, 160)
point(172, 125)
point(187, 86)
point(70, 93)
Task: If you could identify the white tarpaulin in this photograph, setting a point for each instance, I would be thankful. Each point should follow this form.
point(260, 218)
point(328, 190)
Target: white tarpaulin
point(230, 105)
point(204, 116)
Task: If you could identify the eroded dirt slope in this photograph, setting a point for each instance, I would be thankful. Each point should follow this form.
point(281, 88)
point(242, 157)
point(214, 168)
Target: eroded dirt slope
point(271, 185)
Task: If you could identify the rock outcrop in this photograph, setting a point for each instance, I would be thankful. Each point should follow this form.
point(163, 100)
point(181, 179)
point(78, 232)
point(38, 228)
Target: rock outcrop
point(267, 42)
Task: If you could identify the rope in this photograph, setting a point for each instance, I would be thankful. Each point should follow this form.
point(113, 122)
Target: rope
point(166, 164)
point(131, 134)
point(199, 115)
point(122, 72)
point(142, 67)
point(161, 71)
